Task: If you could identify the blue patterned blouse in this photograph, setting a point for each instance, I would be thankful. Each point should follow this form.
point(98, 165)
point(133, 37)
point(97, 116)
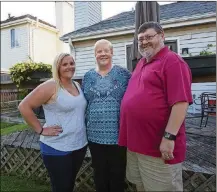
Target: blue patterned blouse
point(104, 95)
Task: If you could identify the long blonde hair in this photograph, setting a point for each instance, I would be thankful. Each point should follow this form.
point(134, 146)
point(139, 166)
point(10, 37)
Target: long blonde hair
point(55, 70)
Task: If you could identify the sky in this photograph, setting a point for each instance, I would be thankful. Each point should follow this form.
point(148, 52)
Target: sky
point(46, 10)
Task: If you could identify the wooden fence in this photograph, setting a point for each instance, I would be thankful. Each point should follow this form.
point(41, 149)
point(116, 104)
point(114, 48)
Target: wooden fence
point(27, 162)
point(10, 100)
point(9, 95)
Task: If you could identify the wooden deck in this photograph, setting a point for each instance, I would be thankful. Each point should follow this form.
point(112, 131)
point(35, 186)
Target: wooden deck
point(201, 144)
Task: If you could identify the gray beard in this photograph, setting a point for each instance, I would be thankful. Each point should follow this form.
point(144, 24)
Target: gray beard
point(146, 55)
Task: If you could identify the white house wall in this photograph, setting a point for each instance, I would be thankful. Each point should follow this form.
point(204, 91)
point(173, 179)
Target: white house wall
point(87, 13)
point(11, 56)
point(197, 89)
point(194, 38)
point(45, 45)
point(85, 59)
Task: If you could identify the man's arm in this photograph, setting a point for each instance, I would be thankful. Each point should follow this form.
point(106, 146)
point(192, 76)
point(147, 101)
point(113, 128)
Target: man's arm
point(177, 116)
point(177, 84)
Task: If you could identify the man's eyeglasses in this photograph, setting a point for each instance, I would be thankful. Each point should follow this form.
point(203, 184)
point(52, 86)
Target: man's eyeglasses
point(147, 38)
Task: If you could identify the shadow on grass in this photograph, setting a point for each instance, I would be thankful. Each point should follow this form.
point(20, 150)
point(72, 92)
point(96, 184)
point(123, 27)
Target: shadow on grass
point(14, 183)
point(7, 128)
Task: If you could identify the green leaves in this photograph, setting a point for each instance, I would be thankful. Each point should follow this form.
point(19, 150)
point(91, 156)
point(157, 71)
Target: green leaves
point(22, 72)
point(206, 51)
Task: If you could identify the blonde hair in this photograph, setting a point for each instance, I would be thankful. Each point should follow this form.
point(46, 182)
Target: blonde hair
point(55, 70)
point(103, 41)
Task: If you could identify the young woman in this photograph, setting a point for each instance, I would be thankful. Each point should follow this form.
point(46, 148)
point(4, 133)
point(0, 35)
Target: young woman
point(63, 137)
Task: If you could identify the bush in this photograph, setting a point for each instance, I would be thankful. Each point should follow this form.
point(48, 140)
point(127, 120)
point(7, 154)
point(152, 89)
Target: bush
point(22, 72)
point(206, 51)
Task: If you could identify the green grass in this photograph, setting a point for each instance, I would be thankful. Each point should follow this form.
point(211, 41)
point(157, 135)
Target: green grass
point(7, 128)
point(4, 125)
point(13, 183)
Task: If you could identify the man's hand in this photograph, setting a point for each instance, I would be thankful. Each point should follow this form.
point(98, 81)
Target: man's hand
point(167, 148)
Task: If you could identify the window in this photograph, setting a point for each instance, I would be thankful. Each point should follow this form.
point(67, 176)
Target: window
point(172, 45)
point(129, 58)
point(14, 38)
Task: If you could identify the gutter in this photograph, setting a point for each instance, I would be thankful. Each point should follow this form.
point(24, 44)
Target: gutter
point(98, 34)
point(172, 23)
point(12, 23)
point(72, 48)
point(28, 20)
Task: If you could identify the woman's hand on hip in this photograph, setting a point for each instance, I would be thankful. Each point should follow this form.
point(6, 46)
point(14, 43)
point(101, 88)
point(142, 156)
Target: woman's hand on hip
point(52, 130)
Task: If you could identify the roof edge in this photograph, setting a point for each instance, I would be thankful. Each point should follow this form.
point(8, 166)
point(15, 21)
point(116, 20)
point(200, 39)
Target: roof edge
point(23, 17)
point(165, 24)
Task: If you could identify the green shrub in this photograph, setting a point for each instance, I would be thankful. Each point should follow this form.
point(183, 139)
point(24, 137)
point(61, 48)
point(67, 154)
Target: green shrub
point(22, 72)
point(206, 51)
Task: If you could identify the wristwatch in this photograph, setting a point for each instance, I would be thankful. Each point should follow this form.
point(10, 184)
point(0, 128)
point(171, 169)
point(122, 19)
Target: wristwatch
point(169, 136)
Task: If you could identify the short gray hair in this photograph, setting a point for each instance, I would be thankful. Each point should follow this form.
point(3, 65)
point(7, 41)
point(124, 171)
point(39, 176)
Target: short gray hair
point(103, 41)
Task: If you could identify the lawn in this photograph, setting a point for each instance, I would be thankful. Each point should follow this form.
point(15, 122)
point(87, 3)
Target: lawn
point(7, 128)
point(13, 183)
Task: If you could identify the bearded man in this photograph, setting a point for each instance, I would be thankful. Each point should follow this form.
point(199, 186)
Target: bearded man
point(152, 116)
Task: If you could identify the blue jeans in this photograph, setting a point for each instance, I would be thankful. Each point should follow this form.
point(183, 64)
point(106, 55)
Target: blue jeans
point(63, 169)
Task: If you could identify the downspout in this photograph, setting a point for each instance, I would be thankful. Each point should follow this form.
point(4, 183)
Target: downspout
point(72, 52)
point(72, 48)
point(29, 41)
point(33, 30)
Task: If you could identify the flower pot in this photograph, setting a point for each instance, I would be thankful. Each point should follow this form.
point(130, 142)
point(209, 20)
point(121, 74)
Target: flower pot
point(202, 65)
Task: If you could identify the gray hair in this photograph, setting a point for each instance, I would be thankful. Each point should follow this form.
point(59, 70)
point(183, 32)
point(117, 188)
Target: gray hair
point(101, 41)
point(150, 25)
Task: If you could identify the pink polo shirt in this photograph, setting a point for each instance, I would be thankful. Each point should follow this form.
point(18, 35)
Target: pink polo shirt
point(145, 109)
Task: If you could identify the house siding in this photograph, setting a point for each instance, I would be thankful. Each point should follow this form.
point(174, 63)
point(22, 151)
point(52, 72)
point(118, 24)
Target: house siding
point(87, 13)
point(197, 89)
point(196, 38)
point(85, 59)
point(11, 56)
point(45, 45)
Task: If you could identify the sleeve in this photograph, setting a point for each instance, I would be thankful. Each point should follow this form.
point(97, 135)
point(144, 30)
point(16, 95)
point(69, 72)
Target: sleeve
point(178, 81)
point(127, 75)
point(83, 82)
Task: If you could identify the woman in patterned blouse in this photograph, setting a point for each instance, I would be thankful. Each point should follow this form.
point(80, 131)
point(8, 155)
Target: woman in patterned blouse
point(104, 88)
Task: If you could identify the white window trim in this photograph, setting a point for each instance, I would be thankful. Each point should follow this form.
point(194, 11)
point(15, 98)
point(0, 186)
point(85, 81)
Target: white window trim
point(177, 40)
point(16, 38)
point(125, 47)
point(12, 47)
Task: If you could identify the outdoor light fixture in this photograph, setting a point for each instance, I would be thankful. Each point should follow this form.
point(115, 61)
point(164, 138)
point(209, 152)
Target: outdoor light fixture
point(185, 51)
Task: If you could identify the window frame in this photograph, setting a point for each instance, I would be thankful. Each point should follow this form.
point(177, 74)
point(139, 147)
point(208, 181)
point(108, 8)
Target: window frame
point(13, 38)
point(168, 39)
